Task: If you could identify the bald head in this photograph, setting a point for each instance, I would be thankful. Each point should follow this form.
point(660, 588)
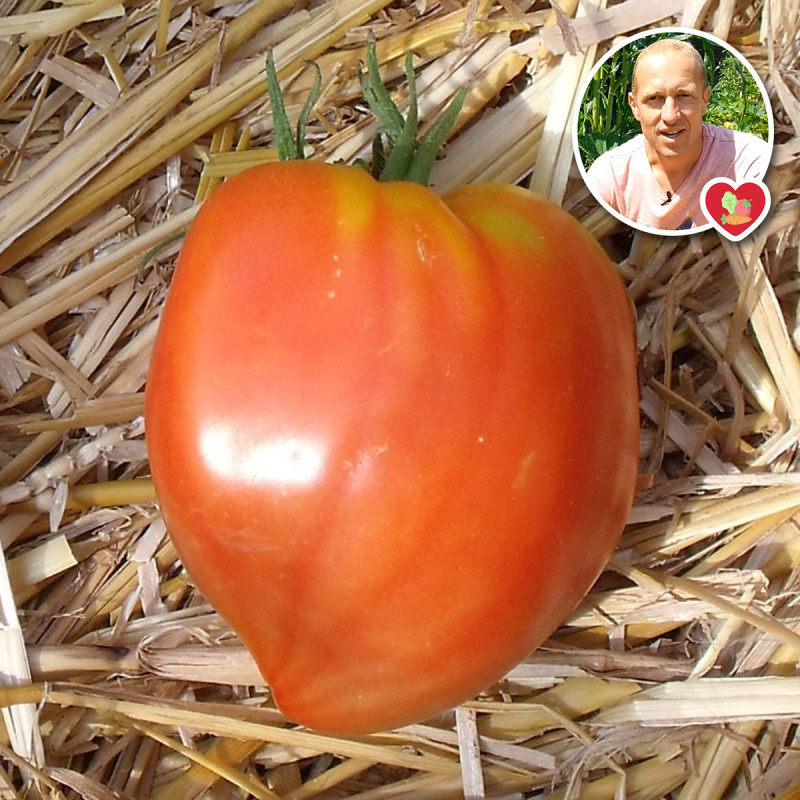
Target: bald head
point(668, 47)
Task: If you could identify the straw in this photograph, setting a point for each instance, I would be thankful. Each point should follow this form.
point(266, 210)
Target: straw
point(676, 677)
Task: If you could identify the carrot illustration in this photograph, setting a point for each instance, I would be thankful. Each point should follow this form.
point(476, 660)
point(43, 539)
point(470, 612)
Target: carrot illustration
point(735, 219)
point(735, 207)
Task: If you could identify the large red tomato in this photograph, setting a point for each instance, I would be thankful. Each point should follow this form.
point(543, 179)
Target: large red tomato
point(394, 436)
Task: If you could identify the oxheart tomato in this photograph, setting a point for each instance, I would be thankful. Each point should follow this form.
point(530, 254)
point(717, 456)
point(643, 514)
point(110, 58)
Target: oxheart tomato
point(393, 435)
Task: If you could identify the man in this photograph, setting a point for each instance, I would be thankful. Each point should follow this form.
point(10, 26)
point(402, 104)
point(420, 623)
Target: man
point(656, 178)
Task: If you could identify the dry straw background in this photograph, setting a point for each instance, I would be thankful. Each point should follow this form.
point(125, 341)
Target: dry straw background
point(676, 678)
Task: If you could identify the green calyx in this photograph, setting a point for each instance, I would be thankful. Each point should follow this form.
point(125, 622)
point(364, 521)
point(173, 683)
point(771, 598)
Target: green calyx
point(291, 143)
point(398, 152)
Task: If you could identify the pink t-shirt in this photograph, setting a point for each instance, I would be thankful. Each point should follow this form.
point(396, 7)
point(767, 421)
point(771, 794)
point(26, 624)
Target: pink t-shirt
point(624, 179)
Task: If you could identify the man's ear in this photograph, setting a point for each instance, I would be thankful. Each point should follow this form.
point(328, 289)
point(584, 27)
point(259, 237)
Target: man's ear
point(706, 95)
point(634, 107)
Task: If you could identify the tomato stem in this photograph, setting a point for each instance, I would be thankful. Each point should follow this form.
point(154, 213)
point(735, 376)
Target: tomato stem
point(410, 158)
point(400, 131)
point(290, 144)
point(428, 147)
point(398, 154)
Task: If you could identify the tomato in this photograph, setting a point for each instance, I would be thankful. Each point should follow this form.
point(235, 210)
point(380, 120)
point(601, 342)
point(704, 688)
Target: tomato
point(393, 435)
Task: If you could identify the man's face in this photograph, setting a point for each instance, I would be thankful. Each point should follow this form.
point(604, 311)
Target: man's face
point(669, 101)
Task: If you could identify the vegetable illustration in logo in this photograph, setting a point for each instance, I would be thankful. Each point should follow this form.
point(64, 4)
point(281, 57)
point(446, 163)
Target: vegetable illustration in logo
point(738, 210)
point(735, 210)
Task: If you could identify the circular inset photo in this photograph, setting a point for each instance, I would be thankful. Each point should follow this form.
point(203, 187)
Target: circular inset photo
point(661, 115)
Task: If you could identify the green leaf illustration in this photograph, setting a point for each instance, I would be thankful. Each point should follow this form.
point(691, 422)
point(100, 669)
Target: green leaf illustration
point(724, 217)
point(729, 201)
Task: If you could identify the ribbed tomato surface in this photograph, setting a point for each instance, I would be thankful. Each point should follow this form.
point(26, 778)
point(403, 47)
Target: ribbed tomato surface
point(393, 435)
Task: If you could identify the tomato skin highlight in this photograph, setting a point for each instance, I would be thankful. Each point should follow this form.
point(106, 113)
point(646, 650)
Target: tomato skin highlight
point(394, 436)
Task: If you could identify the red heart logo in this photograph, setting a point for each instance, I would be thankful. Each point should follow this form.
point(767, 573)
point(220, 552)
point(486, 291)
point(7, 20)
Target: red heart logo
point(735, 210)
